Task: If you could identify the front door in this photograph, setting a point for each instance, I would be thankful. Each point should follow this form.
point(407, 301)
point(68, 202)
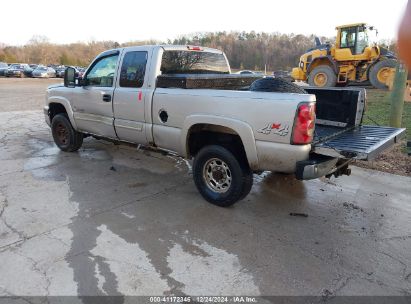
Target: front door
point(93, 108)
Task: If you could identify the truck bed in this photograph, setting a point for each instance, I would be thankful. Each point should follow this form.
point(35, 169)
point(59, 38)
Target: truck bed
point(339, 113)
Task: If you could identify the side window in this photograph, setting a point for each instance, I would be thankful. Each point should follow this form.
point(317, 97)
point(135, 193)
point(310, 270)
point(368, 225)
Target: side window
point(348, 38)
point(102, 72)
point(362, 41)
point(133, 70)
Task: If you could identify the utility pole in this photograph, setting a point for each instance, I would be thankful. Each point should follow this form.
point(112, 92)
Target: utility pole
point(397, 96)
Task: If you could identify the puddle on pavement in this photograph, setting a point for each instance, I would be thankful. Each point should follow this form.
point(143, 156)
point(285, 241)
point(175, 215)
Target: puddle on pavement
point(199, 267)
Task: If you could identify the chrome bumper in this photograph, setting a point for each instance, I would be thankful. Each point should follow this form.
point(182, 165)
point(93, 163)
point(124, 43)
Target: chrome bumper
point(316, 167)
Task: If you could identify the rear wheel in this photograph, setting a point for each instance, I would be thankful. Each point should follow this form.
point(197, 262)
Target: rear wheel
point(64, 135)
point(322, 76)
point(380, 73)
point(220, 177)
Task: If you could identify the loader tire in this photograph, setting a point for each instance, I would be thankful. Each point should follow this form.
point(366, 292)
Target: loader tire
point(379, 73)
point(280, 85)
point(322, 76)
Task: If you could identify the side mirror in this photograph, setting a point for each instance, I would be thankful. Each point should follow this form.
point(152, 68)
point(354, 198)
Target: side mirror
point(70, 77)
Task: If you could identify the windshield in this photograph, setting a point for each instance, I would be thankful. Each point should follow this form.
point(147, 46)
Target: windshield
point(191, 62)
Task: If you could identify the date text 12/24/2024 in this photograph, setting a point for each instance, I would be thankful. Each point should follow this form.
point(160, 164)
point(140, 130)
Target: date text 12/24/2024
point(203, 299)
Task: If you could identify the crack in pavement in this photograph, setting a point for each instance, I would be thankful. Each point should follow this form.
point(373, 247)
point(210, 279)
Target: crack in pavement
point(5, 204)
point(15, 297)
point(26, 237)
point(336, 286)
point(43, 273)
point(404, 270)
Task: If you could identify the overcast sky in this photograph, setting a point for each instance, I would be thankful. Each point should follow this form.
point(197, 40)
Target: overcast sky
point(126, 20)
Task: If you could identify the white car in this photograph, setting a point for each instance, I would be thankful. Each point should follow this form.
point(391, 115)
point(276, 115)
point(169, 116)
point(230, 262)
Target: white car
point(44, 72)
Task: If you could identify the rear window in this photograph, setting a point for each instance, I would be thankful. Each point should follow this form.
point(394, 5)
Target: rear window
point(193, 62)
point(133, 69)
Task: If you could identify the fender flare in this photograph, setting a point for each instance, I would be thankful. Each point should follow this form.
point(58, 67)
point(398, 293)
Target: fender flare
point(66, 104)
point(241, 128)
point(329, 59)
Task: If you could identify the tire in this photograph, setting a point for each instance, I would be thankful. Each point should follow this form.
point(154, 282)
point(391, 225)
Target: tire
point(224, 194)
point(376, 71)
point(64, 135)
point(279, 85)
point(322, 76)
point(248, 183)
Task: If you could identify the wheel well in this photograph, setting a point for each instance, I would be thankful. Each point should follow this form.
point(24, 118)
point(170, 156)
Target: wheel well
point(321, 61)
point(202, 135)
point(56, 108)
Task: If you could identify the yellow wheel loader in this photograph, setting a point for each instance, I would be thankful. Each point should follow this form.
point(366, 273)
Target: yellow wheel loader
point(353, 58)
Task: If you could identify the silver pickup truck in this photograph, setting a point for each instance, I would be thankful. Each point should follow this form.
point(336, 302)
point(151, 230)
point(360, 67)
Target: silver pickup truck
point(184, 99)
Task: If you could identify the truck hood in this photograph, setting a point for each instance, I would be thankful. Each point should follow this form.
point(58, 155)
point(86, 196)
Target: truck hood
point(54, 86)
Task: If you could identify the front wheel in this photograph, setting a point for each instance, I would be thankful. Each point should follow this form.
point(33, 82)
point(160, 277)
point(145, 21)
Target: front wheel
point(64, 135)
point(322, 76)
point(220, 177)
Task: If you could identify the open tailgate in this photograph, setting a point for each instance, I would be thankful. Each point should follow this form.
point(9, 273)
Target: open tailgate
point(362, 142)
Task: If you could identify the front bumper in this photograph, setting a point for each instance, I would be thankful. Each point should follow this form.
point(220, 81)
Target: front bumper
point(14, 74)
point(318, 166)
point(298, 74)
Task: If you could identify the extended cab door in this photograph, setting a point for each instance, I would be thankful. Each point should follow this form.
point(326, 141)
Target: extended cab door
point(131, 96)
point(93, 108)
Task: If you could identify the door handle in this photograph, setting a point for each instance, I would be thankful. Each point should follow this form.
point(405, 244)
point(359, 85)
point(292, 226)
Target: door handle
point(106, 97)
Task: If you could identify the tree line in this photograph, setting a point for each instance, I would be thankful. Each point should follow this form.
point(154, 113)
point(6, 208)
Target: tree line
point(245, 50)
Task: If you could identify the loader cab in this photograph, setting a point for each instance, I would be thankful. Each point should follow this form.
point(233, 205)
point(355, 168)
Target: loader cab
point(353, 40)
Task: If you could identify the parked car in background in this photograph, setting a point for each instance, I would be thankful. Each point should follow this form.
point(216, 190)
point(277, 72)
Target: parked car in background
point(3, 68)
point(60, 71)
point(44, 72)
point(79, 72)
point(17, 70)
point(246, 72)
point(29, 71)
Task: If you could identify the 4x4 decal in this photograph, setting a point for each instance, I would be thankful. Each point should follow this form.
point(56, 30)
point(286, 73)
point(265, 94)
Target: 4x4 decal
point(275, 128)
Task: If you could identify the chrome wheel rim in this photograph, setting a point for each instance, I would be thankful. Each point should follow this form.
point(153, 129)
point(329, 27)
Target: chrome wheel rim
point(217, 175)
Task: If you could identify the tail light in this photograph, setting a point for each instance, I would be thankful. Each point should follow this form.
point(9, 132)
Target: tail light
point(194, 48)
point(304, 123)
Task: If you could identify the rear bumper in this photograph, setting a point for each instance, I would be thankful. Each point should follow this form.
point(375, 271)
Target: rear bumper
point(318, 166)
point(278, 157)
point(13, 74)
